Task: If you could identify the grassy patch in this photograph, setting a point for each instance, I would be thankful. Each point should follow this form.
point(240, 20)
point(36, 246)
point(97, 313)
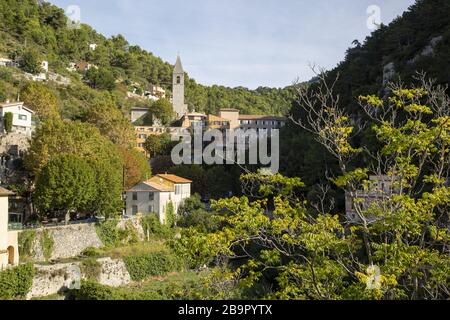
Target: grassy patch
point(183, 285)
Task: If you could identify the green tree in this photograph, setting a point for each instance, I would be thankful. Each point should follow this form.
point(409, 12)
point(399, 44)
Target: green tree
point(153, 145)
point(31, 62)
point(136, 167)
point(56, 137)
point(170, 215)
point(67, 183)
point(111, 122)
point(162, 110)
point(102, 79)
point(41, 100)
point(192, 213)
point(396, 247)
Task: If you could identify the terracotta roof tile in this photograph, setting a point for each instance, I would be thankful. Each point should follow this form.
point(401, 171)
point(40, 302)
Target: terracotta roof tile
point(261, 117)
point(173, 178)
point(158, 186)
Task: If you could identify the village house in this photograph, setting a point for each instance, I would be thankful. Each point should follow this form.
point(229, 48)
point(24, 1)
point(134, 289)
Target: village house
point(379, 189)
point(82, 66)
point(153, 196)
point(227, 119)
point(21, 117)
point(157, 92)
point(9, 249)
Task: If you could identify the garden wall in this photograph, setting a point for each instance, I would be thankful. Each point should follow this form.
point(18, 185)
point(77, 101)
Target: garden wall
point(62, 242)
point(57, 278)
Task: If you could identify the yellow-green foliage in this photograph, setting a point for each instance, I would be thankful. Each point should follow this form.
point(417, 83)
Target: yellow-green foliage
point(15, 283)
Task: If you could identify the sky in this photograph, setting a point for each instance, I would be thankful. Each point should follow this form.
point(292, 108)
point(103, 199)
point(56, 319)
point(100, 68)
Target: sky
point(248, 43)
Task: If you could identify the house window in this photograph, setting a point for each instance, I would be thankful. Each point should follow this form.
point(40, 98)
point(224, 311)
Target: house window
point(23, 117)
point(151, 196)
point(178, 79)
point(151, 209)
point(135, 196)
point(178, 189)
point(142, 136)
point(134, 210)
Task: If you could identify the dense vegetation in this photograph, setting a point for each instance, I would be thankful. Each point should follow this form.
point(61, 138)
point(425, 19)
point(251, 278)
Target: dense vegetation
point(270, 243)
point(361, 73)
point(15, 283)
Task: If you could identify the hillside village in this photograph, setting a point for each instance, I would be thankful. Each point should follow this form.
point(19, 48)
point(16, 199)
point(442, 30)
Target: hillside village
point(93, 207)
point(162, 195)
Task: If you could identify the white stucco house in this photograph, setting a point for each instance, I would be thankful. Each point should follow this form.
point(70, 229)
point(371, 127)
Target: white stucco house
point(153, 196)
point(21, 117)
point(9, 249)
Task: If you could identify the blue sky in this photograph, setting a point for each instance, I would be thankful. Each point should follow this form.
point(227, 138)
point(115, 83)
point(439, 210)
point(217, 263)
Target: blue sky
point(247, 43)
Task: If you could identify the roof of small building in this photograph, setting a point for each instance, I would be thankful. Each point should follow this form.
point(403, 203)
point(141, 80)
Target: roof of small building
point(173, 178)
point(216, 118)
point(229, 110)
point(14, 104)
point(195, 114)
point(5, 192)
point(261, 117)
point(158, 186)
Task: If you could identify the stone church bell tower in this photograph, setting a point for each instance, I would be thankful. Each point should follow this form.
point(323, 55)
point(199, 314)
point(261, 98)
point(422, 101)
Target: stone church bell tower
point(179, 106)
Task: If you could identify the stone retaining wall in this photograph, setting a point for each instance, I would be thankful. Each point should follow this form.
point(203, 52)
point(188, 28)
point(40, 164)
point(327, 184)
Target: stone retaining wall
point(68, 241)
point(58, 278)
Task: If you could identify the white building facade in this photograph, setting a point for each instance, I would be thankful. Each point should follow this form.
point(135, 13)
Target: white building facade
point(22, 117)
point(9, 249)
point(153, 196)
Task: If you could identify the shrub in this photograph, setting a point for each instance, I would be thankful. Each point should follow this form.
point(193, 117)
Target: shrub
point(152, 264)
point(47, 244)
point(130, 234)
point(8, 121)
point(152, 227)
point(26, 239)
point(91, 290)
point(109, 233)
point(90, 252)
point(91, 269)
point(112, 236)
point(200, 219)
point(16, 282)
point(170, 215)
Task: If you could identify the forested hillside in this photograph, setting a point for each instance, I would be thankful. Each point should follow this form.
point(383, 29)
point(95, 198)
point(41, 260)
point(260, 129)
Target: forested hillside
point(39, 32)
point(406, 44)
